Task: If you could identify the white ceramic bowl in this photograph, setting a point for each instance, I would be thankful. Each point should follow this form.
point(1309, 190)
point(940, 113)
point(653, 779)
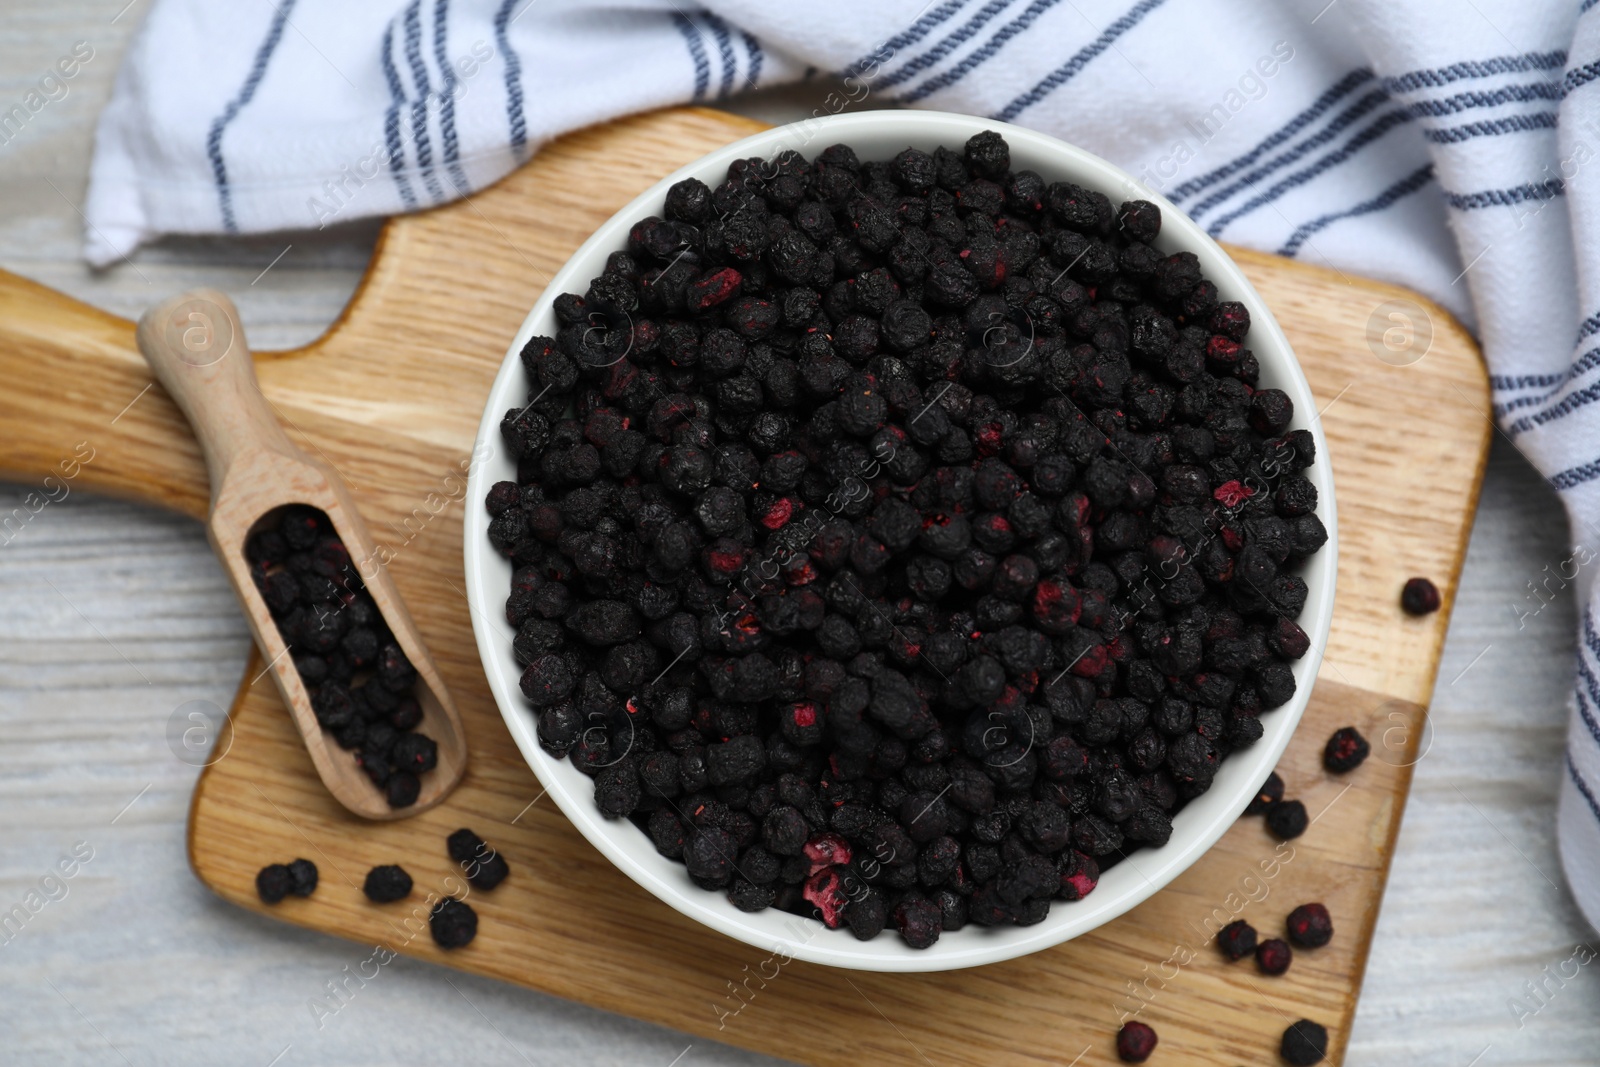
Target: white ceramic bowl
point(880, 135)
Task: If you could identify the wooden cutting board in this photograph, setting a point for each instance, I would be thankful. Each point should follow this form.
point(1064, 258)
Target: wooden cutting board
point(392, 395)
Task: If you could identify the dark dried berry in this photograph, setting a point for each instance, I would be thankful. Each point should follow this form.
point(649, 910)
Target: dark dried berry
point(1135, 1042)
point(453, 922)
point(484, 867)
point(1310, 926)
point(274, 882)
point(1304, 1043)
point(1287, 819)
point(302, 878)
point(1270, 793)
point(1237, 940)
point(1419, 597)
point(401, 789)
point(1346, 750)
point(414, 752)
point(386, 884)
point(1273, 956)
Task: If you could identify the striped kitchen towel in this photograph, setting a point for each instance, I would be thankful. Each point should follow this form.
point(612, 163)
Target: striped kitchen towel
point(1443, 145)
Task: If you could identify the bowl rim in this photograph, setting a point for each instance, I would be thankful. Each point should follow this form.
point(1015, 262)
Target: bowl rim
point(487, 575)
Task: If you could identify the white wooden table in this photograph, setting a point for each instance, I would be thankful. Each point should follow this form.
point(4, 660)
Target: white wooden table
point(112, 616)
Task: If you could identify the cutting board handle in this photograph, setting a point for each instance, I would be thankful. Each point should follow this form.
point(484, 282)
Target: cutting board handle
point(195, 343)
point(80, 409)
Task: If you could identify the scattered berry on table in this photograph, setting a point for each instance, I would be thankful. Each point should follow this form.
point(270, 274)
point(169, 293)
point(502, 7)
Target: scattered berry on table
point(1419, 597)
point(453, 922)
point(901, 543)
point(1273, 956)
point(1237, 940)
point(274, 882)
point(1287, 819)
point(302, 878)
point(1346, 750)
point(1310, 926)
point(387, 883)
point(1135, 1042)
point(1270, 793)
point(484, 867)
point(359, 681)
point(1304, 1043)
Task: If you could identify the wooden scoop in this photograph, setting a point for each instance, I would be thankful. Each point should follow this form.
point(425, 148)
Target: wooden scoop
point(196, 346)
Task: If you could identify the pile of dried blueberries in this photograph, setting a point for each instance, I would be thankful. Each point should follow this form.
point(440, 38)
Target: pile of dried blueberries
point(360, 681)
point(902, 542)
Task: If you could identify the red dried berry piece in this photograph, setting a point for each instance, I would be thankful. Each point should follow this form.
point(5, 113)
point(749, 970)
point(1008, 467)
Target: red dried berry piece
point(1419, 597)
point(824, 890)
point(778, 514)
point(1346, 750)
point(1080, 873)
point(714, 288)
point(1237, 940)
point(1304, 1043)
point(1231, 494)
point(827, 850)
point(1310, 926)
point(1273, 956)
point(1135, 1042)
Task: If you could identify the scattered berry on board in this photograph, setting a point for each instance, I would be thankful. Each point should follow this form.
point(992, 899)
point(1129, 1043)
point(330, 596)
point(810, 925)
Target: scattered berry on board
point(387, 883)
point(1237, 940)
point(278, 880)
point(1273, 956)
point(1287, 819)
point(1346, 750)
point(302, 878)
point(359, 681)
point(484, 867)
point(273, 882)
point(1304, 1043)
point(1310, 926)
point(1135, 1042)
point(453, 922)
point(1419, 597)
point(902, 543)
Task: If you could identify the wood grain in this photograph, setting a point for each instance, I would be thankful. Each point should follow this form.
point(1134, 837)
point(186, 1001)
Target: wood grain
point(392, 397)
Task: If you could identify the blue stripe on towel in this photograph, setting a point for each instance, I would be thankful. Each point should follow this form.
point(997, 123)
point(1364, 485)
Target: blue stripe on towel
point(1367, 136)
point(1480, 68)
point(697, 53)
point(514, 117)
point(1332, 95)
point(1340, 122)
point(447, 102)
point(962, 34)
point(979, 56)
point(1400, 189)
point(1539, 120)
point(1546, 190)
point(391, 121)
point(419, 103)
point(908, 36)
point(247, 91)
point(719, 30)
point(1069, 70)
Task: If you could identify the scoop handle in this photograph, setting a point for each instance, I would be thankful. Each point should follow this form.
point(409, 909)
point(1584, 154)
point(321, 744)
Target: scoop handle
point(195, 343)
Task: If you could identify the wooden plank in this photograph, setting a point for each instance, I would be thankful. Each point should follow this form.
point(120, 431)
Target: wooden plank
point(392, 397)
